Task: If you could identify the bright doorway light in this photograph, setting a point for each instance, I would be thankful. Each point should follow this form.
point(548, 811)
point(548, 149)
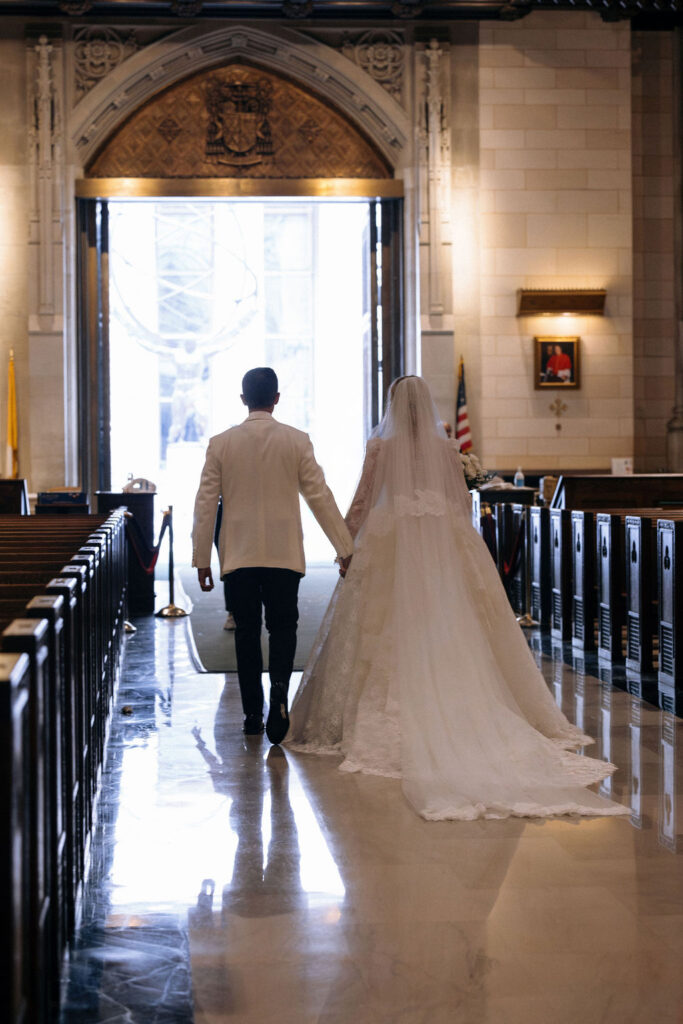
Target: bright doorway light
point(203, 290)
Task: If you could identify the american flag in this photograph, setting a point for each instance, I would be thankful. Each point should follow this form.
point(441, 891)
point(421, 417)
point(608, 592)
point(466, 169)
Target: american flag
point(462, 423)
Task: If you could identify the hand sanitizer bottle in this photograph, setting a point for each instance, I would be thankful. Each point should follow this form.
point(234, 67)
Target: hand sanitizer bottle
point(518, 478)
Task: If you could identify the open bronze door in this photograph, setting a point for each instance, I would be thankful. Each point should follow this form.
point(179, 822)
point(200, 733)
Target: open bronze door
point(386, 344)
point(93, 344)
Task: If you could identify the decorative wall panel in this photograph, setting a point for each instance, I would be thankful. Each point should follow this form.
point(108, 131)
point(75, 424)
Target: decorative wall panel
point(237, 121)
point(97, 51)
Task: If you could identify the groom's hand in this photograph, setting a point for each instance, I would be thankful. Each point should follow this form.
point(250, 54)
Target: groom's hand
point(205, 579)
point(344, 564)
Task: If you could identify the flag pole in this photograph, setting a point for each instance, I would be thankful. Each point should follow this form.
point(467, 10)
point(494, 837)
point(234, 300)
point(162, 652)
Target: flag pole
point(462, 424)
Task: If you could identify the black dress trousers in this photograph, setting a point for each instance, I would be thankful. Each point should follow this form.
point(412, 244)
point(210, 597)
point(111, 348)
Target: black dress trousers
point(276, 591)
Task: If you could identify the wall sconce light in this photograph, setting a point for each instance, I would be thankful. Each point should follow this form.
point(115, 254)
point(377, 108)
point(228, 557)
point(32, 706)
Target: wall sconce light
point(561, 301)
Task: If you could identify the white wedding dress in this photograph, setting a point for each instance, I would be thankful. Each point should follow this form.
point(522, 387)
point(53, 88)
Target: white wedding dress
point(420, 671)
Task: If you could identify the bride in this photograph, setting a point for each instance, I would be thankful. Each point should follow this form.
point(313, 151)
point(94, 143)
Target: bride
point(420, 671)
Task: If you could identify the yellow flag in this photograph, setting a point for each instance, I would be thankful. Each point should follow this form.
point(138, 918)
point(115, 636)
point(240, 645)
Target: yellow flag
point(12, 431)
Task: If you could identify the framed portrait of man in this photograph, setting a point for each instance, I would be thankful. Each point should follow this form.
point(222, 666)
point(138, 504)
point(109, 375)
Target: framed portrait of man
point(556, 363)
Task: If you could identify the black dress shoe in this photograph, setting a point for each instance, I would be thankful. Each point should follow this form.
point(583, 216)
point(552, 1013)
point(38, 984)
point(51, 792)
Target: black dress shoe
point(253, 725)
point(277, 722)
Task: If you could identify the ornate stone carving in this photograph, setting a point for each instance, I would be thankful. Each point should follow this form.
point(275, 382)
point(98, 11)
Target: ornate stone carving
point(297, 8)
point(168, 60)
point(187, 8)
point(381, 55)
point(435, 138)
point(76, 7)
point(238, 132)
point(407, 8)
point(97, 51)
point(292, 135)
point(45, 160)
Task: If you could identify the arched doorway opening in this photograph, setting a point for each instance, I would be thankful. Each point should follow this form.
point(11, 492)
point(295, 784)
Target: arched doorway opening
point(188, 277)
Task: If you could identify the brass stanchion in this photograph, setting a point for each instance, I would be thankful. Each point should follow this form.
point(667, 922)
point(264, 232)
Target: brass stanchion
point(171, 610)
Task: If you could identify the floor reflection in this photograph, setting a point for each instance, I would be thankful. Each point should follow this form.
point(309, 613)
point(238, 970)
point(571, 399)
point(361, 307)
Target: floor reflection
point(232, 881)
point(268, 809)
point(669, 834)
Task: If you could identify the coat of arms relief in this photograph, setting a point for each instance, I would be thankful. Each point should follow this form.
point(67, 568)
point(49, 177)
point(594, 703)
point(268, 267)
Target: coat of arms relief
point(238, 130)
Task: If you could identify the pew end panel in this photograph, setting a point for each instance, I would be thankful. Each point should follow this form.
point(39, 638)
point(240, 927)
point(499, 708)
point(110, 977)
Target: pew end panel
point(561, 575)
point(610, 586)
point(583, 577)
point(641, 596)
point(15, 854)
point(539, 565)
point(670, 592)
point(29, 636)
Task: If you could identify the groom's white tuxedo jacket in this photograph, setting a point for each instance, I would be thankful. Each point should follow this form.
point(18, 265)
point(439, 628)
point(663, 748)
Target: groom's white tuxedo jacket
point(259, 468)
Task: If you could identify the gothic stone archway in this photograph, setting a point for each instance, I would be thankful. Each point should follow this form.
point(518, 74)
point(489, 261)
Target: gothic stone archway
point(237, 121)
point(221, 127)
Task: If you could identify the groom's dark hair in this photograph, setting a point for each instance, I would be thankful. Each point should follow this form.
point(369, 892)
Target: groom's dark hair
point(259, 387)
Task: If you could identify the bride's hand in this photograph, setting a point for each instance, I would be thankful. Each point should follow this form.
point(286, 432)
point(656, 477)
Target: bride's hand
point(344, 564)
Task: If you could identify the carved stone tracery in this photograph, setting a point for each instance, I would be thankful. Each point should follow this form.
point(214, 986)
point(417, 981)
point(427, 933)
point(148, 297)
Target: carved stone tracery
point(381, 55)
point(97, 51)
point(436, 160)
point(46, 170)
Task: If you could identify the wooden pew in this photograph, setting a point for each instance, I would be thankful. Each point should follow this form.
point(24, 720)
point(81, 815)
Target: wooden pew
point(29, 636)
point(539, 565)
point(14, 497)
point(670, 593)
point(512, 551)
point(16, 854)
point(560, 575)
point(67, 620)
point(595, 492)
point(583, 580)
point(609, 560)
point(640, 551)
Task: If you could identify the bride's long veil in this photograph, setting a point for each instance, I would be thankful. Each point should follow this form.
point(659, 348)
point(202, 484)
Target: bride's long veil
point(420, 670)
point(480, 732)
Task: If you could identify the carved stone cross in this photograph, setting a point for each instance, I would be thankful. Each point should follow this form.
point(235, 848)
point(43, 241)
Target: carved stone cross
point(558, 407)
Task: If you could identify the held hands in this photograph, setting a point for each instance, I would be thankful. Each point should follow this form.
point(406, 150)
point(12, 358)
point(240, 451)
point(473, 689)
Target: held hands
point(344, 564)
point(205, 579)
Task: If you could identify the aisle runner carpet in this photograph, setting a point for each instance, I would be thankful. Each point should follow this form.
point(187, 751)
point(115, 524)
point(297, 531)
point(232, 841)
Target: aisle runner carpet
point(216, 648)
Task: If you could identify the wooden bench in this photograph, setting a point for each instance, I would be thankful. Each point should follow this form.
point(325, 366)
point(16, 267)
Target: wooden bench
point(538, 542)
point(593, 580)
point(595, 492)
point(670, 599)
point(14, 497)
point(62, 604)
point(16, 847)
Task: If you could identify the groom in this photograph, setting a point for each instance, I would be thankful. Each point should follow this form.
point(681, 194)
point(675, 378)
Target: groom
point(259, 468)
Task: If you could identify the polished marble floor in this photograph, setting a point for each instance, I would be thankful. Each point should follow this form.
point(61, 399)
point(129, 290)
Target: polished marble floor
point(235, 882)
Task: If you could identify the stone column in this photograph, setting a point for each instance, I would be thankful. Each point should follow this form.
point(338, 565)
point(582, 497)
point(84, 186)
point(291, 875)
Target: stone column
point(46, 326)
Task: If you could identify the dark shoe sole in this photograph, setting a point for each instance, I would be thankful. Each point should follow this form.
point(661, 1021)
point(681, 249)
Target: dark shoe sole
point(277, 722)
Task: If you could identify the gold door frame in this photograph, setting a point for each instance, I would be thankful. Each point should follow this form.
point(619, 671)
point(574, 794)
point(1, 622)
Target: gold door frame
point(92, 195)
point(235, 188)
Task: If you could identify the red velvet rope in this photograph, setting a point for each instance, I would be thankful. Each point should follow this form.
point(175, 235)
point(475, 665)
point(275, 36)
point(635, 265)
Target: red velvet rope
point(147, 562)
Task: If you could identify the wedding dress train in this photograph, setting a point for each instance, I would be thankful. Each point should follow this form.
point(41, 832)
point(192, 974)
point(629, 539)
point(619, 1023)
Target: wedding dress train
point(420, 671)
